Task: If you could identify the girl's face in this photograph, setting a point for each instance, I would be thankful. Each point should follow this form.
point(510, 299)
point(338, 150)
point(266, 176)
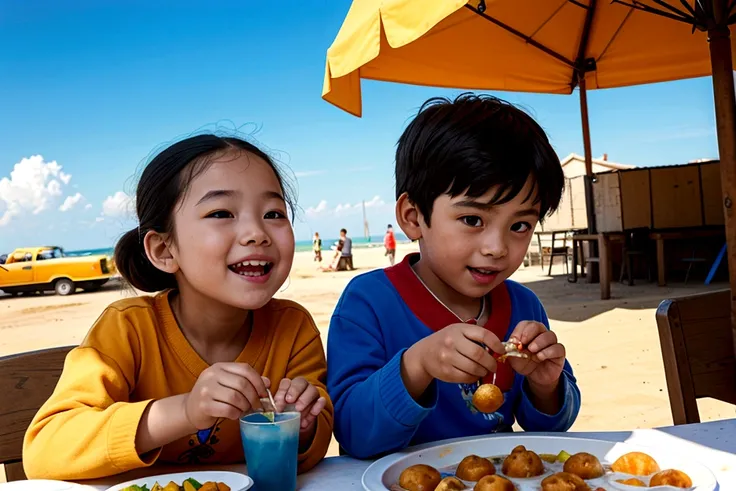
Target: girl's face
point(233, 239)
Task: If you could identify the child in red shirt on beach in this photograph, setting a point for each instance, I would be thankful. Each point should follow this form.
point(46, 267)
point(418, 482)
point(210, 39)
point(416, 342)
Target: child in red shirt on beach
point(389, 242)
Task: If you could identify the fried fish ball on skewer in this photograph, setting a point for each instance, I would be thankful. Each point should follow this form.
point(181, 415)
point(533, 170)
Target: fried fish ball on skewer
point(488, 398)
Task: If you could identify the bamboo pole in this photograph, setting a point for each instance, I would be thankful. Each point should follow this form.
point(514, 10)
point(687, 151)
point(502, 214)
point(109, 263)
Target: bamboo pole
point(719, 43)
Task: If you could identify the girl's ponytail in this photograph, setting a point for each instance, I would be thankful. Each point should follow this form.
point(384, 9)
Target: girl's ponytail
point(133, 263)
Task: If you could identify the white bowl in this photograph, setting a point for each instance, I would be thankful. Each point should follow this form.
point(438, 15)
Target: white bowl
point(236, 482)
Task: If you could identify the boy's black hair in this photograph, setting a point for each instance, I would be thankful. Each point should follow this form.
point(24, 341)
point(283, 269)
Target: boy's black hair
point(343, 231)
point(471, 144)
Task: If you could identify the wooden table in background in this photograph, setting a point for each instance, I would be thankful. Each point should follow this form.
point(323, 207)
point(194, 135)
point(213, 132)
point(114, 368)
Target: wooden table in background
point(660, 237)
point(604, 257)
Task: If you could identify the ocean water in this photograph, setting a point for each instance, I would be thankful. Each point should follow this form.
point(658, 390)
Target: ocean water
point(301, 245)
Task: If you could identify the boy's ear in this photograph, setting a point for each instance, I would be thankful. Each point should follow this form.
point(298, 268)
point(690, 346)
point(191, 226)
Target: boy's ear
point(158, 250)
point(408, 217)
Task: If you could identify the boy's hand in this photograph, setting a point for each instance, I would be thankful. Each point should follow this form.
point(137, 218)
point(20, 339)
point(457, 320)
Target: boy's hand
point(451, 355)
point(306, 400)
point(224, 390)
point(543, 368)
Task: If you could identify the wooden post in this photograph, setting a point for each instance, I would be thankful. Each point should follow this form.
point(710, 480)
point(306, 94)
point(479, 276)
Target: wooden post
point(725, 104)
point(588, 180)
point(589, 204)
point(661, 272)
point(604, 265)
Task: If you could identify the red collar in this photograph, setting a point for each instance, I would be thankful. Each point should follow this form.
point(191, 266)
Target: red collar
point(435, 315)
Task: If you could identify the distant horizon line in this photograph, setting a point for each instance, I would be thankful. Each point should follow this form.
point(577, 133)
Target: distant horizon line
point(400, 237)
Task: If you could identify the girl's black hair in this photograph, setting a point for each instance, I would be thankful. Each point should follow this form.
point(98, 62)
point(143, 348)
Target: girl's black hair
point(160, 188)
point(472, 144)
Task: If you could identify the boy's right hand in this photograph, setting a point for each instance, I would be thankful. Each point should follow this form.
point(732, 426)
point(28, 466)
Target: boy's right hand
point(451, 355)
point(224, 390)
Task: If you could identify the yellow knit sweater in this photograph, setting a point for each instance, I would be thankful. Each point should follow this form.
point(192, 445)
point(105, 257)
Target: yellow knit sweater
point(136, 353)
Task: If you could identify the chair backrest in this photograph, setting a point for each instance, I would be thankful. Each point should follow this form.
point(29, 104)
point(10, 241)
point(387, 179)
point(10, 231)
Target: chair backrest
point(26, 382)
point(698, 351)
point(560, 238)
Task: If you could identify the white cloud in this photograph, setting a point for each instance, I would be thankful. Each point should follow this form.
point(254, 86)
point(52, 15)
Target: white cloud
point(118, 205)
point(99, 219)
point(71, 201)
point(343, 209)
point(317, 210)
point(308, 173)
point(375, 202)
point(33, 184)
point(88, 206)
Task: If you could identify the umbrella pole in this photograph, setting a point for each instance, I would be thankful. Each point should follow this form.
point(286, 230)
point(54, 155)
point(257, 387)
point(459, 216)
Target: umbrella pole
point(725, 104)
point(588, 179)
point(589, 204)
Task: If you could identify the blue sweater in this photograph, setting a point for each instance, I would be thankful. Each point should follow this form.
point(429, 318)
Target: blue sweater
point(381, 314)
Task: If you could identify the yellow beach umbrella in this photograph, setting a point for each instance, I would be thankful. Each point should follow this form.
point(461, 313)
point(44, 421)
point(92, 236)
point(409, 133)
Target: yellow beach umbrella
point(546, 46)
point(541, 46)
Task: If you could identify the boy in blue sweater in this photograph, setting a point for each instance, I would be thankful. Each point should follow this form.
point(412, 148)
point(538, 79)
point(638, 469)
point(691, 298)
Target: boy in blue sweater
point(404, 351)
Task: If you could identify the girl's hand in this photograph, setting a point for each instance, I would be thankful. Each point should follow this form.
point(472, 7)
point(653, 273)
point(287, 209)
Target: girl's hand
point(224, 390)
point(304, 396)
point(543, 368)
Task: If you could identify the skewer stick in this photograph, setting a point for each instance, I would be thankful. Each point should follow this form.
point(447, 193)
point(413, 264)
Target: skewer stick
point(270, 398)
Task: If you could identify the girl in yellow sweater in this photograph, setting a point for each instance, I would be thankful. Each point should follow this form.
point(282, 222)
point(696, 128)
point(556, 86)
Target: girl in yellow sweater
point(166, 377)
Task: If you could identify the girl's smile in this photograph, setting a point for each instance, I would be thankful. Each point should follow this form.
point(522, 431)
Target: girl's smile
point(256, 268)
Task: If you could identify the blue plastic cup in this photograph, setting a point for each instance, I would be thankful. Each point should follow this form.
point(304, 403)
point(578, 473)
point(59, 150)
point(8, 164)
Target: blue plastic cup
point(271, 450)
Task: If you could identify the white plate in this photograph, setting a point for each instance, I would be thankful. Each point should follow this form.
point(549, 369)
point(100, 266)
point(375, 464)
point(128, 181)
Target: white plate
point(236, 482)
point(43, 485)
point(385, 472)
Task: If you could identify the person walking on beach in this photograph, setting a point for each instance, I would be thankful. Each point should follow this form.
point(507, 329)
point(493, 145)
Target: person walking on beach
point(389, 242)
point(317, 247)
point(345, 247)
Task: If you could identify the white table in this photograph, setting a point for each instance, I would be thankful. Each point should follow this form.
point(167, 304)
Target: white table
point(714, 442)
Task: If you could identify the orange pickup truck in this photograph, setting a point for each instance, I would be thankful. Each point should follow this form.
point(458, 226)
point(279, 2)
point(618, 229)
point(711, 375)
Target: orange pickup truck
point(47, 268)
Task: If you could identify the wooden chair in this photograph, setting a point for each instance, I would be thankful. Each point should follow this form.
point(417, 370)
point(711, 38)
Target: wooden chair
point(698, 351)
point(26, 381)
point(558, 248)
point(636, 243)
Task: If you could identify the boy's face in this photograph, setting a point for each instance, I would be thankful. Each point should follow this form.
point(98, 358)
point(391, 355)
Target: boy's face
point(471, 246)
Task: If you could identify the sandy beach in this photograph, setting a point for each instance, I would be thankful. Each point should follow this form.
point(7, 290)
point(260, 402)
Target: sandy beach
point(612, 345)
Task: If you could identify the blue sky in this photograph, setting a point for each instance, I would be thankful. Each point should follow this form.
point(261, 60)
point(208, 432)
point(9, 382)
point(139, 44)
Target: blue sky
point(96, 88)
